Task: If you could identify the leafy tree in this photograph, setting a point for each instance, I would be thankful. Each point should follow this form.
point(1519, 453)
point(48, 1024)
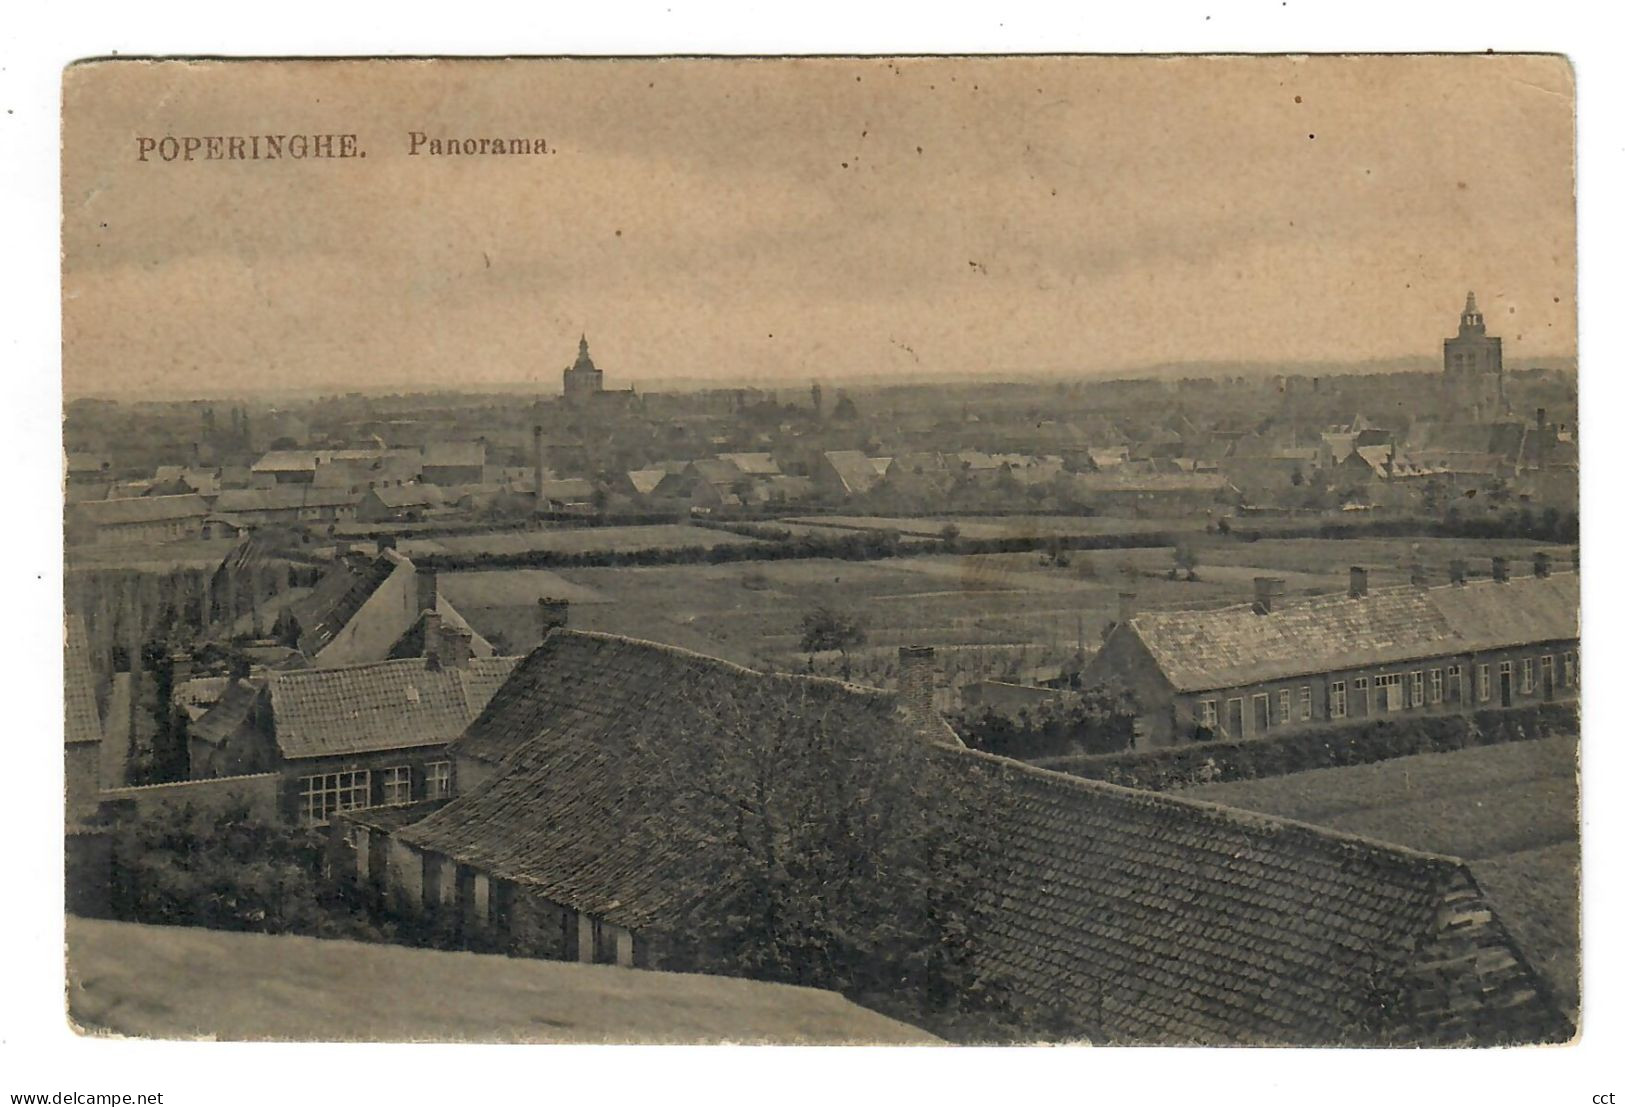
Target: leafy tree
point(227, 870)
point(832, 850)
point(826, 628)
point(1095, 720)
point(1186, 558)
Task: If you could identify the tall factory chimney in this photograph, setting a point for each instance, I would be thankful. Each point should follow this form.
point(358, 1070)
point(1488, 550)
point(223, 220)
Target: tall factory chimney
point(536, 461)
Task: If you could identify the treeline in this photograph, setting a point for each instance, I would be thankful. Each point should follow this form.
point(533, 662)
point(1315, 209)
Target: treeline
point(1547, 525)
point(1095, 721)
point(781, 545)
point(1327, 746)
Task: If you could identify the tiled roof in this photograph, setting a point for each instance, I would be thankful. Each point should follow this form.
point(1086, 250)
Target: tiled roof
point(854, 469)
point(379, 706)
point(1148, 918)
point(1225, 647)
point(222, 720)
point(285, 497)
point(82, 722)
point(755, 464)
point(561, 727)
point(141, 509)
point(411, 642)
point(336, 599)
point(1121, 915)
point(645, 480)
point(410, 495)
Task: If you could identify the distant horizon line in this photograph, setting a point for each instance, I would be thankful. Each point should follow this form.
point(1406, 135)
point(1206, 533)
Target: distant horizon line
point(1191, 370)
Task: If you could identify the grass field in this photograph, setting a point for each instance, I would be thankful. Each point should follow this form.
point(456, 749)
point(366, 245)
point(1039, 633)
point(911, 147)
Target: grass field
point(1008, 615)
point(1509, 811)
point(174, 982)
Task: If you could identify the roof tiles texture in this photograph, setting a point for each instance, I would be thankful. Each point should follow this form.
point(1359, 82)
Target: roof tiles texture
point(380, 706)
point(1224, 647)
point(1124, 915)
point(141, 509)
point(83, 721)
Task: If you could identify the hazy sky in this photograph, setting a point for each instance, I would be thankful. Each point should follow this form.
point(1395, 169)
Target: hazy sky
point(790, 219)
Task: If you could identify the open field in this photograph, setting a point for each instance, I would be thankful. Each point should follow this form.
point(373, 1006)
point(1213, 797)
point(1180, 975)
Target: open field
point(1509, 811)
point(1011, 615)
point(175, 982)
point(577, 540)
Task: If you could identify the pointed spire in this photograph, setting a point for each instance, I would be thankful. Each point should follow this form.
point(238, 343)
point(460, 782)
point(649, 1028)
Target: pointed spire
point(1471, 309)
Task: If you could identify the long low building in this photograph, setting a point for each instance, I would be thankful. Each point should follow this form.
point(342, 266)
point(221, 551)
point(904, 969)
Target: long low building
point(1246, 670)
point(1109, 914)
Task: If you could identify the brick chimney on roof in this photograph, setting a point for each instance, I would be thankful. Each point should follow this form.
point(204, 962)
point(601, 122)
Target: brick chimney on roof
point(1128, 606)
point(456, 647)
point(432, 639)
point(917, 692)
point(1359, 581)
point(555, 613)
point(1266, 591)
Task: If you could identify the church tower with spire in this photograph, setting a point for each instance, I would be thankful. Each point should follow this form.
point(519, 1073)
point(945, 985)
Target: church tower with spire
point(583, 379)
point(1472, 361)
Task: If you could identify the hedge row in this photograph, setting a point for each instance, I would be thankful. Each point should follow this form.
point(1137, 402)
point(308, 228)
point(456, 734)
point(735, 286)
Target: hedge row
point(858, 546)
point(1321, 747)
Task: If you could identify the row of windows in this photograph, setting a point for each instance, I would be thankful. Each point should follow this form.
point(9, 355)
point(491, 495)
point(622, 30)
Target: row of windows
point(1389, 692)
point(325, 794)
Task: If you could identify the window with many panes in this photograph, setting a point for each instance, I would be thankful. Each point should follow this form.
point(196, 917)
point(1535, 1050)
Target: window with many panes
point(437, 779)
point(1417, 693)
point(1340, 700)
point(1284, 713)
point(326, 793)
point(1526, 676)
point(1435, 685)
point(397, 784)
point(1483, 684)
point(1306, 704)
point(1210, 715)
point(1571, 670)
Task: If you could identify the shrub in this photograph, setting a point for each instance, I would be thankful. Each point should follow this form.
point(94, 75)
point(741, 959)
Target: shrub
point(1330, 745)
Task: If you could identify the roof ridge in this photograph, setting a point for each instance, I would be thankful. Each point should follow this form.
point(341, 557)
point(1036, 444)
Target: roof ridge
point(720, 662)
point(1235, 815)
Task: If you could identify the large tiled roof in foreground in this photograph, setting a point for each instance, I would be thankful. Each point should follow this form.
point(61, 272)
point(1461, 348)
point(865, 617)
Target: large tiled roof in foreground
point(558, 815)
point(1120, 915)
point(379, 706)
point(1228, 646)
point(1146, 918)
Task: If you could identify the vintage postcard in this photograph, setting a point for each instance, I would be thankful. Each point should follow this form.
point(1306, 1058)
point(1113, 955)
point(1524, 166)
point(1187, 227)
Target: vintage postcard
point(1067, 549)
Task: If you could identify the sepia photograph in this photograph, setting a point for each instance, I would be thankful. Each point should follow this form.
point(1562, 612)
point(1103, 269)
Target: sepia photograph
point(940, 550)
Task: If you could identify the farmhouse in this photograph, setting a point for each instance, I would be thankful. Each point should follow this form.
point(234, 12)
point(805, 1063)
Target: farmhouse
point(350, 737)
point(288, 504)
point(370, 609)
point(1118, 915)
point(1243, 671)
point(137, 519)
